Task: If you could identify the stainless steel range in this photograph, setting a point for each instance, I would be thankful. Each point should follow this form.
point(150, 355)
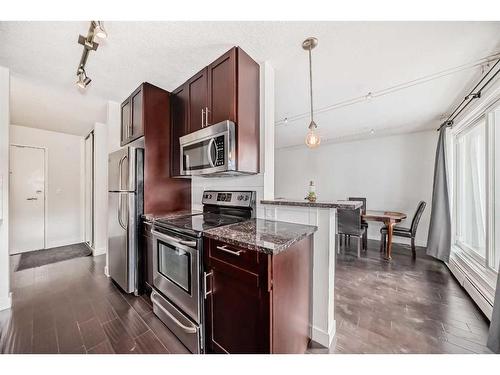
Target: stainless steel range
point(178, 277)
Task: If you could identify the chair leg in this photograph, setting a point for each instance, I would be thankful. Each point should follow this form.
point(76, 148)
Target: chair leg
point(348, 240)
point(365, 241)
point(339, 238)
point(359, 246)
point(413, 250)
point(382, 242)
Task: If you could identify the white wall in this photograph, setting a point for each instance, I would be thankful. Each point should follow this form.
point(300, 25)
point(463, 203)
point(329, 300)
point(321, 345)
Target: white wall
point(5, 300)
point(393, 173)
point(113, 123)
point(262, 183)
point(100, 189)
point(64, 208)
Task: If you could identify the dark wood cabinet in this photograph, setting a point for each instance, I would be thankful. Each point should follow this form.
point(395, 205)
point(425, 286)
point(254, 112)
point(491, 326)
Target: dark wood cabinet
point(222, 88)
point(180, 125)
point(197, 100)
point(257, 303)
point(227, 89)
point(132, 122)
point(162, 193)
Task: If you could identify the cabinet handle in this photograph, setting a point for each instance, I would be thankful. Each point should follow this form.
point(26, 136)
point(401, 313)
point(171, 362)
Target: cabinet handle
point(232, 252)
point(206, 116)
point(205, 291)
point(202, 118)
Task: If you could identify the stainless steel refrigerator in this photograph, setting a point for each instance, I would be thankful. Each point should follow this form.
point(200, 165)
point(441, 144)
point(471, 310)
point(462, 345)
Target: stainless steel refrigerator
point(125, 198)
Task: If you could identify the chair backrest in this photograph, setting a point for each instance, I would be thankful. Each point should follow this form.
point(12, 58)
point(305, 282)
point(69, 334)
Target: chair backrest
point(417, 216)
point(349, 221)
point(363, 207)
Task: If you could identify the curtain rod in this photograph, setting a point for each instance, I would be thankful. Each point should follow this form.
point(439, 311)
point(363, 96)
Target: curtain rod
point(473, 94)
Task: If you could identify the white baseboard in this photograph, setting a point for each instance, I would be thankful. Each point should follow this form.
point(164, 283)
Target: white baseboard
point(322, 337)
point(106, 271)
point(6, 302)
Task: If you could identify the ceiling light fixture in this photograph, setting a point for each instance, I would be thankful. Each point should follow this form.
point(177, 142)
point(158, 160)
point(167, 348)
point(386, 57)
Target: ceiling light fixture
point(83, 81)
point(312, 139)
point(99, 30)
point(96, 29)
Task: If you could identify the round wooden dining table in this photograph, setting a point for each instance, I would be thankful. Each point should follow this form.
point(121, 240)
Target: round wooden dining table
point(389, 218)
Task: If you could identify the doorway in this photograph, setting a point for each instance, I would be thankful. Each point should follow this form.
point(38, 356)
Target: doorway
point(27, 198)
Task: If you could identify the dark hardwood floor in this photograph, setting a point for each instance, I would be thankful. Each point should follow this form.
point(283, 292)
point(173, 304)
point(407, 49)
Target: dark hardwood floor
point(72, 307)
point(403, 306)
point(380, 307)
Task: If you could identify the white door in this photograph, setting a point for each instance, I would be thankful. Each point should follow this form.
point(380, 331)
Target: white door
point(27, 199)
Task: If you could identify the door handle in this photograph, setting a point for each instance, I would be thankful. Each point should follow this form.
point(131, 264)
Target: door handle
point(206, 116)
point(31, 199)
point(120, 166)
point(202, 118)
point(120, 219)
point(205, 291)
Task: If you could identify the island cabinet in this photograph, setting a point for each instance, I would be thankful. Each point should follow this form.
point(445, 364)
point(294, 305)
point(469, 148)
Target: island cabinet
point(257, 302)
point(226, 89)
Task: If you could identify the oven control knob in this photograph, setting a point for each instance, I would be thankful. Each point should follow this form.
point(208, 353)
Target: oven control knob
point(246, 197)
point(240, 197)
point(209, 196)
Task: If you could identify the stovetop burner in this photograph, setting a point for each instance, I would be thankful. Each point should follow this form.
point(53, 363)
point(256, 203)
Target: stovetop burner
point(196, 224)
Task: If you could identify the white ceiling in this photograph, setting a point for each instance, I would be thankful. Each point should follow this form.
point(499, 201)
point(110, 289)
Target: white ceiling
point(352, 59)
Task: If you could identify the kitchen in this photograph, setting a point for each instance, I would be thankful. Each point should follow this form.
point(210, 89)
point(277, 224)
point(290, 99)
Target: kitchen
point(191, 267)
point(196, 234)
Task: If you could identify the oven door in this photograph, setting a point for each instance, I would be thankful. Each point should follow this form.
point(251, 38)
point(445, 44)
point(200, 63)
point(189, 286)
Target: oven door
point(176, 271)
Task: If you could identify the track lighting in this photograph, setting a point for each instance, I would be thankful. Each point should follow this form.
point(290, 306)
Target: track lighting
point(83, 81)
point(96, 29)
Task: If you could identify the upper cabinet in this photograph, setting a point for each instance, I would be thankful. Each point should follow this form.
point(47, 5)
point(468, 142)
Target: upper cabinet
point(227, 89)
point(132, 126)
point(197, 100)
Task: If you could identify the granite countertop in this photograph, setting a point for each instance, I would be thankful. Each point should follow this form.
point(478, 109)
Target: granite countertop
point(343, 204)
point(169, 215)
point(267, 236)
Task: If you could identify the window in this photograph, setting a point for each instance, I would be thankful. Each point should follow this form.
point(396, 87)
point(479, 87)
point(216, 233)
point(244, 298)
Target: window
point(474, 168)
point(471, 190)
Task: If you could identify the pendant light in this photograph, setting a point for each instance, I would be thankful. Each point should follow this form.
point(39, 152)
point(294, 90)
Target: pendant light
point(312, 139)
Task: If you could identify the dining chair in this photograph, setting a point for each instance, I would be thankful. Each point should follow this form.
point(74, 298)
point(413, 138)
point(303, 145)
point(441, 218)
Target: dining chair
point(410, 232)
point(349, 223)
point(363, 222)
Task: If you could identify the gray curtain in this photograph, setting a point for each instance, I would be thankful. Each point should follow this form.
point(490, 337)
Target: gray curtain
point(494, 334)
point(439, 238)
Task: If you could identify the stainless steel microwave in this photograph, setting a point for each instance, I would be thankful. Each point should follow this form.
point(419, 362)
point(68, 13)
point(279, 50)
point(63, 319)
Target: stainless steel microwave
point(209, 151)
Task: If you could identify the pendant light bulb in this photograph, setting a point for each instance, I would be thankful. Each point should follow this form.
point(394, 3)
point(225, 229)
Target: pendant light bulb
point(312, 138)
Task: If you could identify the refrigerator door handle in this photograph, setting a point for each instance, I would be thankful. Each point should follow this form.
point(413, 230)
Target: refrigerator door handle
point(120, 214)
point(120, 166)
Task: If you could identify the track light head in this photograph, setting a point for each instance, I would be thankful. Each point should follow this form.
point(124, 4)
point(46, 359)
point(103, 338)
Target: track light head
point(99, 30)
point(83, 81)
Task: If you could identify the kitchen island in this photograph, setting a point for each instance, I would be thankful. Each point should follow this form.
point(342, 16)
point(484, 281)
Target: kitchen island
point(258, 294)
point(323, 215)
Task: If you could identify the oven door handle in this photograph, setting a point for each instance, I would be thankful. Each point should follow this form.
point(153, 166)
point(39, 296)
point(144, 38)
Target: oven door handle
point(173, 239)
point(174, 319)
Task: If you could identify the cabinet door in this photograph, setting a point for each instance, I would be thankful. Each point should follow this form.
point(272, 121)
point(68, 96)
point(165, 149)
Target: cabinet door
point(179, 110)
point(237, 314)
point(222, 88)
point(125, 122)
point(136, 125)
point(198, 100)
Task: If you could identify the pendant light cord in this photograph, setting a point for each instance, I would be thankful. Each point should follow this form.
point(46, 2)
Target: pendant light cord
point(311, 84)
